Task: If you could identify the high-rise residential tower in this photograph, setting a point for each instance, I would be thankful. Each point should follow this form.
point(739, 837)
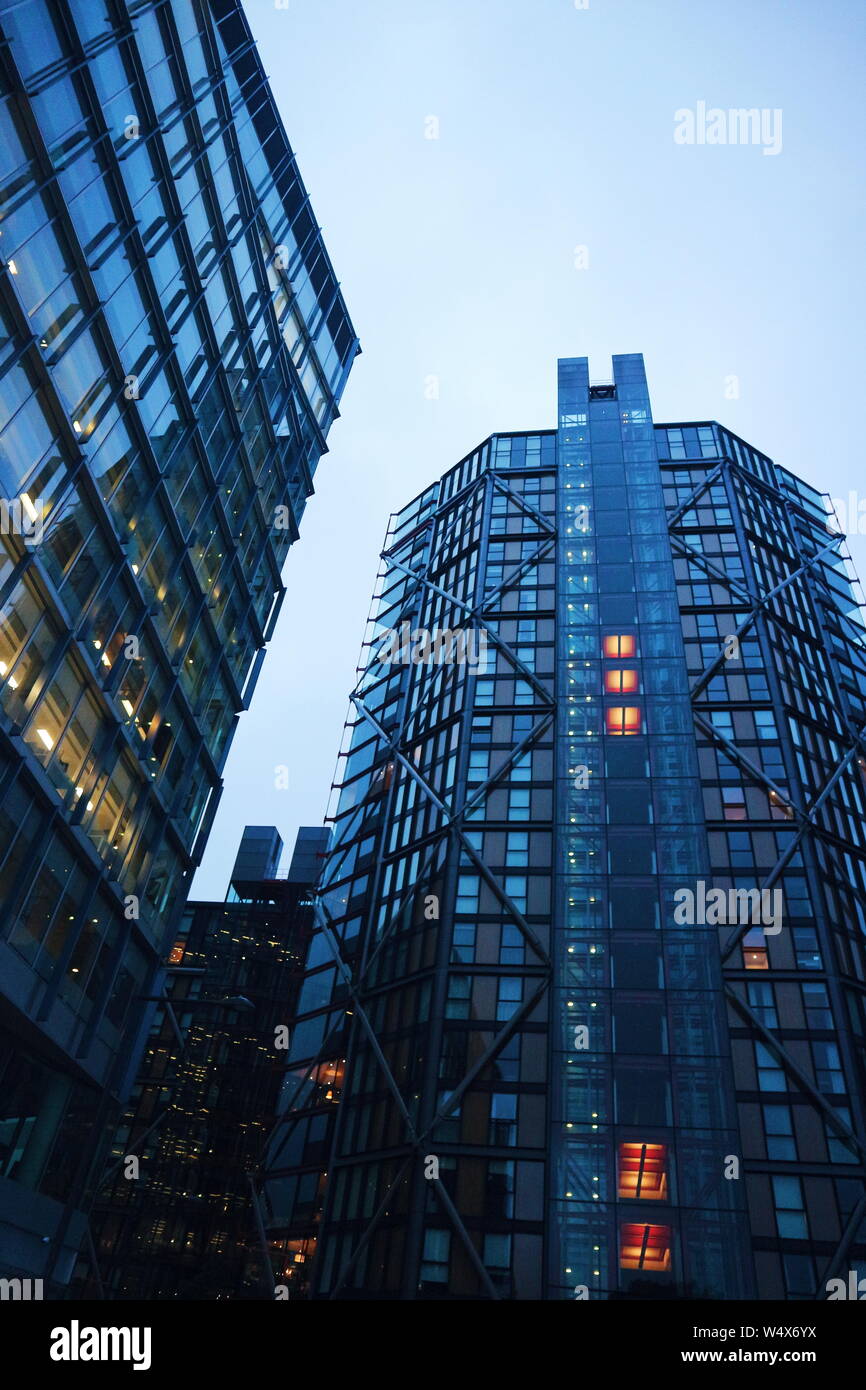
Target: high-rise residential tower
point(173, 347)
point(207, 1094)
point(590, 958)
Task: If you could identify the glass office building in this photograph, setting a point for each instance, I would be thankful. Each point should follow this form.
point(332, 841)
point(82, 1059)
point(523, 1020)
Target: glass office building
point(208, 1092)
point(589, 964)
point(173, 348)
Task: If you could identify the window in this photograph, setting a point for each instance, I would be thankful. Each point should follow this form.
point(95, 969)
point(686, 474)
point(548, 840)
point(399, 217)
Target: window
point(676, 446)
point(381, 779)
point(762, 1000)
point(800, 1276)
point(816, 1005)
point(734, 803)
point(771, 1076)
point(527, 598)
point(467, 893)
point(459, 990)
point(740, 853)
point(790, 1212)
point(645, 1247)
point(503, 1119)
point(497, 1257)
point(434, 1261)
point(499, 1189)
point(515, 887)
point(517, 852)
point(463, 941)
point(620, 645)
point(526, 655)
point(829, 1076)
point(780, 810)
point(518, 803)
point(619, 682)
point(479, 766)
point(623, 719)
point(837, 1148)
point(797, 897)
point(512, 947)
point(475, 840)
point(779, 1132)
point(806, 949)
point(521, 770)
point(510, 996)
point(707, 442)
point(642, 1172)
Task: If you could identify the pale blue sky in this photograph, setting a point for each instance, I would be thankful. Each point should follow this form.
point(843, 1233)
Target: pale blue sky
point(457, 259)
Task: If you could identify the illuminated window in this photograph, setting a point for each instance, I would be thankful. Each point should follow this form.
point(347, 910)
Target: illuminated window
point(620, 645)
point(176, 953)
point(643, 1171)
point(755, 950)
point(756, 959)
point(329, 1076)
point(381, 779)
point(645, 1247)
point(623, 719)
point(619, 682)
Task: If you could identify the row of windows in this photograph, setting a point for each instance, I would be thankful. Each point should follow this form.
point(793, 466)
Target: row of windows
point(687, 442)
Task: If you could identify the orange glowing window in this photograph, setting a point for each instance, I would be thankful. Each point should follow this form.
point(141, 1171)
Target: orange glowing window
point(642, 1170)
point(645, 1247)
point(755, 958)
point(620, 645)
point(381, 779)
point(619, 682)
point(175, 955)
point(297, 1252)
point(623, 719)
point(780, 810)
point(329, 1075)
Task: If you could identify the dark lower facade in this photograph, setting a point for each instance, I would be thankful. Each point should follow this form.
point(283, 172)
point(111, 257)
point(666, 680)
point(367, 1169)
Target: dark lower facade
point(589, 958)
point(173, 348)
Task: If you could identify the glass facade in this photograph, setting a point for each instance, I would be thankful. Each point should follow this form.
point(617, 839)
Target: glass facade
point(642, 1060)
point(436, 903)
point(562, 1070)
point(173, 348)
point(776, 655)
